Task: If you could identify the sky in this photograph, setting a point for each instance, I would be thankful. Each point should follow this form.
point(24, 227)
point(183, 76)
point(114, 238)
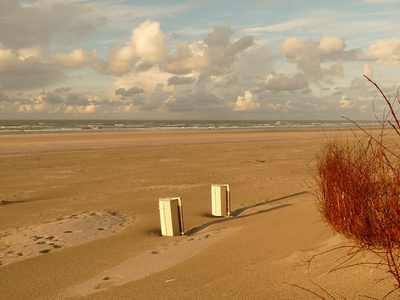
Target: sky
point(197, 59)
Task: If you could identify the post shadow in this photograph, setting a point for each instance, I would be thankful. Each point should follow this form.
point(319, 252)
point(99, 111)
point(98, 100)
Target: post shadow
point(237, 213)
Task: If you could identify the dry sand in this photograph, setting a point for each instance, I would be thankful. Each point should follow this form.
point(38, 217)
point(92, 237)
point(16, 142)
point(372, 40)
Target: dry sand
point(79, 219)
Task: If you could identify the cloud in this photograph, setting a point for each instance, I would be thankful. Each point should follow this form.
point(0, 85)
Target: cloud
point(81, 110)
point(279, 82)
point(12, 63)
point(367, 70)
point(149, 41)
point(297, 25)
point(269, 2)
point(63, 101)
point(177, 80)
point(219, 37)
point(256, 60)
point(77, 59)
point(186, 59)
point(36, 24)
point(195, 100)
point(144, 66)
point(26, 32)
point(336, 69)
point(120, 60)
point(385, 52)
point(247, 102)
point(158, 98)
point(381, 1)
point(215, 55)
point(330, 44)
point(220, 52)
point(75, 99)
point(346, 102)
point(147, 45)
point(274, 107)
point(52, 98)
point(130, 92)
point(289, 107)
point(21, 72)
point(318, 59)
point(62, 90)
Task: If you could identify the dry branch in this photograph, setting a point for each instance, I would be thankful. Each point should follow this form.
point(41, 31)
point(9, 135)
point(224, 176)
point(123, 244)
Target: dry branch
point(359, 189)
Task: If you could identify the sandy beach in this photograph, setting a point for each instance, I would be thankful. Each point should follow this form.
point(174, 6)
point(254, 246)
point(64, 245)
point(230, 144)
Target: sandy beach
point(79, 219)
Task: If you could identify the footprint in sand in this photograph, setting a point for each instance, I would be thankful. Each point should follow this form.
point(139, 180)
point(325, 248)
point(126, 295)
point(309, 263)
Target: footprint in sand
point(62, 232)
point(108, 281)
point(45, 251)
point(147, 263)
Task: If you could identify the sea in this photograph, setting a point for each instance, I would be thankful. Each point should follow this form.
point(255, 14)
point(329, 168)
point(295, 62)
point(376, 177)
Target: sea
point(8, 127)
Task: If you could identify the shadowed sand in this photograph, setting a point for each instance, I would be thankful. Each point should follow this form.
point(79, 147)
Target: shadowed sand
point(79, 219)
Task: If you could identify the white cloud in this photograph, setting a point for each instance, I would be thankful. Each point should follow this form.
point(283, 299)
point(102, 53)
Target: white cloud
point(186, 58)
point(318, 59)
point(76, 59)
point(293, 48)
point(170, 99)
point(346, 102)
point(215, 55)
point(82, 109)
point(120, 60)
point(149, 41)
point(385, 51)
point(21, 70)
point(8, 59)
point(330, 44)
point(247, 102)
point(25, 53)
point(151, 69)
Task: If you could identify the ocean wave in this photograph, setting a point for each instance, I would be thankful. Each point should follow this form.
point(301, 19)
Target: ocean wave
point(69, 126)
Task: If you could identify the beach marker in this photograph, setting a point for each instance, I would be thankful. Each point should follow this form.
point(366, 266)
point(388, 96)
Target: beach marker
point(220, 200)
point(171, 216)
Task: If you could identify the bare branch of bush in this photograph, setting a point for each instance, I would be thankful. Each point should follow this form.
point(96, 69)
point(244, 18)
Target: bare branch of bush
point(359, 188)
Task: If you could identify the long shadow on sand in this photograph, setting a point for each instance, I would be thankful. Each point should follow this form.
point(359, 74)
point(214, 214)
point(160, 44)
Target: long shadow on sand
point(243, 209)
point(5, 202)
point(236, 214)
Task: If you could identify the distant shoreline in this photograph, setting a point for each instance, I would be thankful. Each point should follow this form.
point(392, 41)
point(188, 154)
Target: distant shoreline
point(27, 127)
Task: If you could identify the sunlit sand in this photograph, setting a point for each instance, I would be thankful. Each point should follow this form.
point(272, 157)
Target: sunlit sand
point(80, 218)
